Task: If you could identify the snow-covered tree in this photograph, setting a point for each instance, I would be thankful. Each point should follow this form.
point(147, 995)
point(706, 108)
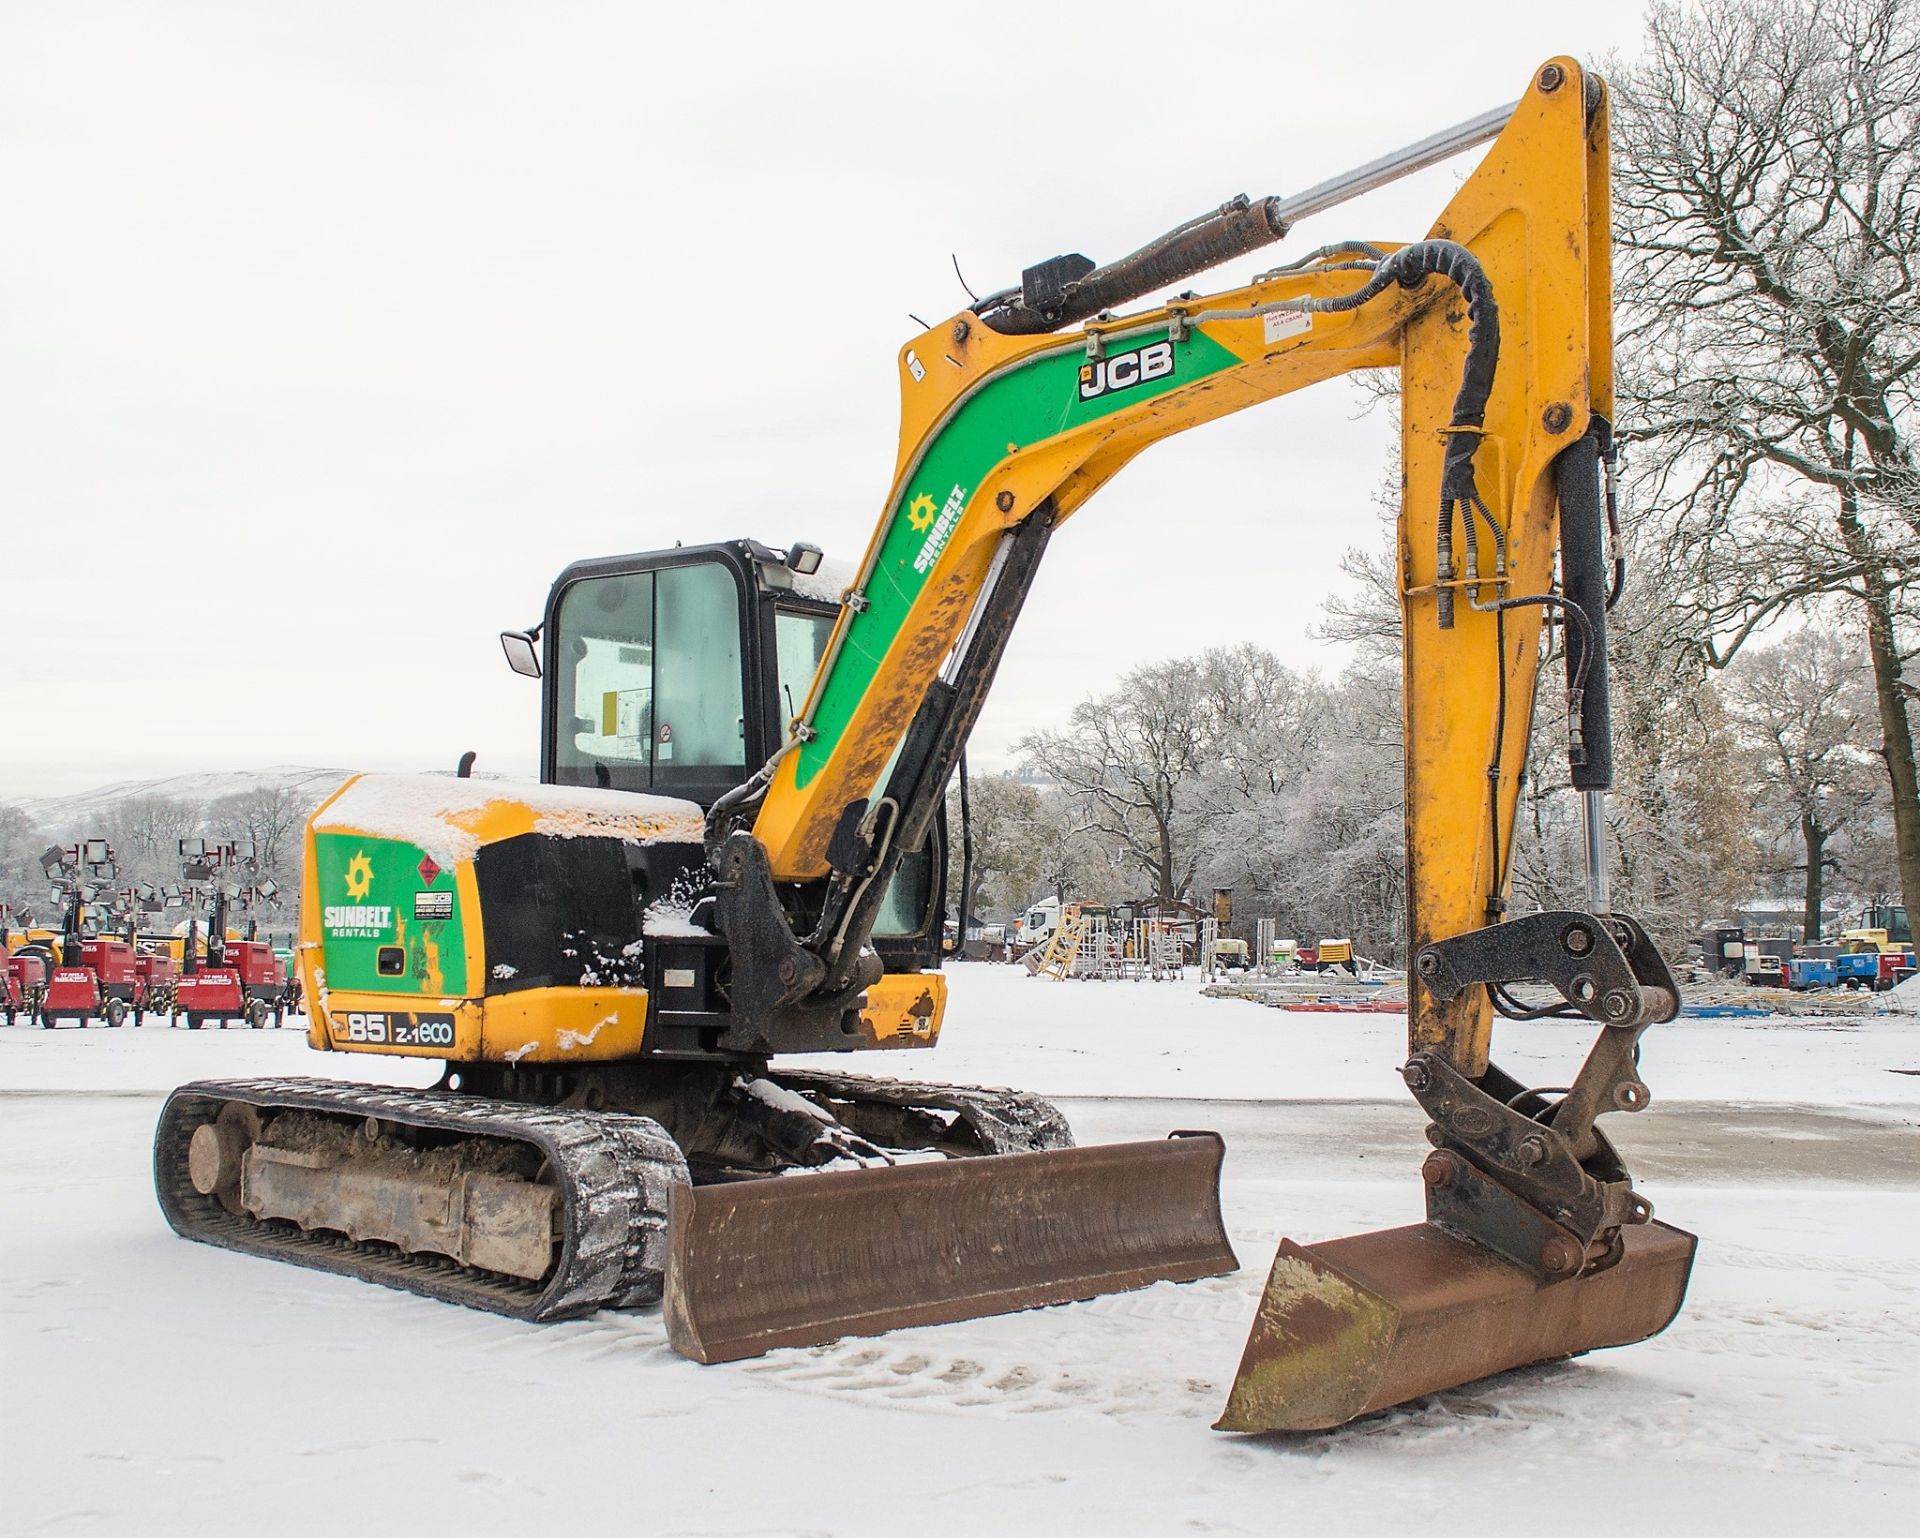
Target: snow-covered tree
point(1767, 197)
point(1803, 708)
point(1126, 764)
point(145, 832)
point(23, 883)
point(1189, 767)
point(1009, 848)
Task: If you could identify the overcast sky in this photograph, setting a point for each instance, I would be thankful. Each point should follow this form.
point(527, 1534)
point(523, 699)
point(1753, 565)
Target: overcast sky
point(330, 332)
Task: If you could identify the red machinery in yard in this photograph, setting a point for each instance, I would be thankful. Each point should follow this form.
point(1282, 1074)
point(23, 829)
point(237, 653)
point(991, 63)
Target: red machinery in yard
point(23, 985)
point(238, 980)
point(156, 977)
point(95, 976)
point(23, 972)
point(96, 979)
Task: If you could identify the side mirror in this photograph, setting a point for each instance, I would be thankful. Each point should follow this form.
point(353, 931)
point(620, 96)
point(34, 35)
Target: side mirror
point(522, 655)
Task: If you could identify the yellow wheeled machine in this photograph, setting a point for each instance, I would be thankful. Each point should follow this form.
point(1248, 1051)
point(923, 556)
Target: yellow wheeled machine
point(737, 851)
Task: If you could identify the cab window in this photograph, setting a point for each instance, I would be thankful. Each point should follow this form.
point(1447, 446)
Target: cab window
point(907, 907)
point(800, 641)
point(649, 680)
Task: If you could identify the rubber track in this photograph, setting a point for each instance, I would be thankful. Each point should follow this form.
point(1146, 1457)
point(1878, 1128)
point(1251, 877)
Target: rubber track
point(613, 1172)
point(1005, 1120)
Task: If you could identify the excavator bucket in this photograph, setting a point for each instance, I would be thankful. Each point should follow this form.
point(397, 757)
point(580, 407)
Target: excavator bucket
point(758, 1264)
point(1360, 1324)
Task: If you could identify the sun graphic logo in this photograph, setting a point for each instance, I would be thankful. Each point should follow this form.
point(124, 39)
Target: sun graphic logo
point(920, 513)
point(359, 877)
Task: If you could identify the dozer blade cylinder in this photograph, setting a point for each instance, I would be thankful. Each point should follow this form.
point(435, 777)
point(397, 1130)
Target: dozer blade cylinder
point(1363, 1323)
point(799, 1261)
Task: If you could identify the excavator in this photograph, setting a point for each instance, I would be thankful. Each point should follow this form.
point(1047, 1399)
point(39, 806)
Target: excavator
point(736, 854)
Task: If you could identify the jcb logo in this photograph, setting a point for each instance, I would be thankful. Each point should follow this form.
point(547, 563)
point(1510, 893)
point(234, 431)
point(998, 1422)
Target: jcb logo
point(1124, 370)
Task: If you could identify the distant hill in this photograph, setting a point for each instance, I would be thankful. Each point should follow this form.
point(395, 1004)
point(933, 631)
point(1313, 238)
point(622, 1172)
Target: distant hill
point(74, 815)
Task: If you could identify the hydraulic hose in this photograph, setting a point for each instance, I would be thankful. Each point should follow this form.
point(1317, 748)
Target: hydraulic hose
point(1071, 289)
point(1409, 267)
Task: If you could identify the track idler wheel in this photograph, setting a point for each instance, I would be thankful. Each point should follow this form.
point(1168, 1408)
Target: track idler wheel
point(218, 1149)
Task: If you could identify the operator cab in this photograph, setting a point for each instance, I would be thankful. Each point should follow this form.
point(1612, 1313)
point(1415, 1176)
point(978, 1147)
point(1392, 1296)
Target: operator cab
point(677, 672)
point(670, 672)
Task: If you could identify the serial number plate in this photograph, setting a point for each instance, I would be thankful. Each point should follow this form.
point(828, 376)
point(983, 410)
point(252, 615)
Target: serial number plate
point(376, 1028)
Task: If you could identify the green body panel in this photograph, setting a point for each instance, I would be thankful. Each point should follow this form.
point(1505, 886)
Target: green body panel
point(1024, 406)
point(380, 892)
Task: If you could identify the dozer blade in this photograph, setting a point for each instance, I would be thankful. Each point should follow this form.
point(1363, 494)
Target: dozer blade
point(798, 1261)
point(1363, 1323)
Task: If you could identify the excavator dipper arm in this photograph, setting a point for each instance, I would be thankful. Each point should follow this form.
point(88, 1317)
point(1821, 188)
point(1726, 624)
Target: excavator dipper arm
point(1499, 322)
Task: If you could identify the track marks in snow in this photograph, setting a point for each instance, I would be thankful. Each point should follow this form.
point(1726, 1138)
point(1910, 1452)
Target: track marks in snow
point(1129, 1354)
point(961, 1382)
point(161, 1461)
point(62, 1521)
point(747, 1532)
point(354, 1449)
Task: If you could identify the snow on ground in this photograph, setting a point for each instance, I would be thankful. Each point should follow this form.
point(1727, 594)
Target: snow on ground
point(157, 1386)
point(1078, 1037)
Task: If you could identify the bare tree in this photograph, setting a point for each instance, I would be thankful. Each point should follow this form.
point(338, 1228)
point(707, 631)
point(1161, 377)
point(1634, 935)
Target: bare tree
point(1183, 765)
point(145, 832)
point(1261, 724)
point(1367, 615)
point(270, 817)
point(1768, 200)
point(1074, 859)
point(23, 883)
point(1803, 707)
point(1342, 870)
point(1012, 841)
point(1126, 762)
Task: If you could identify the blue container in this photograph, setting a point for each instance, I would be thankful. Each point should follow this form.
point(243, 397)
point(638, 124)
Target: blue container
point(1813, 972)
point(1859, 968)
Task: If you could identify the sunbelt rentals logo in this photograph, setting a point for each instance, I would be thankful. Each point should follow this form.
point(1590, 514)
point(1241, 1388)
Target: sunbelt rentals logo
point(920, 513)
point(360, 919)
